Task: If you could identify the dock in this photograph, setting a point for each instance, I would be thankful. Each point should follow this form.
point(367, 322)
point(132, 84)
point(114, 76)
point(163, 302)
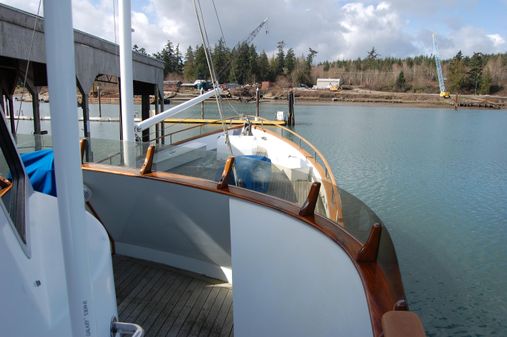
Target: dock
point(219, 121)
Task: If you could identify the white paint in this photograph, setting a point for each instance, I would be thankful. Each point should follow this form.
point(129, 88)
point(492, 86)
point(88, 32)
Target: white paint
point(291, 280)
point(42, 309)
point(127, 91)
point(327, 83)
point(59, 40)
point(175, 110)
point(175, 260)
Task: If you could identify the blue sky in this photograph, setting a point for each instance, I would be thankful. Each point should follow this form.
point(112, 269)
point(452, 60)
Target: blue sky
point(337, 29)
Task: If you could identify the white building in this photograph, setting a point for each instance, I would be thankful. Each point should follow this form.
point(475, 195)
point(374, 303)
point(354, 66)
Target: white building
point(327, 83)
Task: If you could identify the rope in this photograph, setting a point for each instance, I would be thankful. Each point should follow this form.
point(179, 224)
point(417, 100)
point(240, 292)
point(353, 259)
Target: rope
point(29, 55)
point(204, 36)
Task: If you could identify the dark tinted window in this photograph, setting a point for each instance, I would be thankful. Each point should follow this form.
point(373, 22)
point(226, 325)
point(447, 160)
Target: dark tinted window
point(12, 181)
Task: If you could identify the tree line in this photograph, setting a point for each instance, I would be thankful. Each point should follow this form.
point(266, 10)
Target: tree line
point(242, 64)
point(476, 74)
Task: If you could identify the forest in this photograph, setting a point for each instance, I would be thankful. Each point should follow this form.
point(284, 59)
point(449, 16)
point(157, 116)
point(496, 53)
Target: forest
point(244, 64)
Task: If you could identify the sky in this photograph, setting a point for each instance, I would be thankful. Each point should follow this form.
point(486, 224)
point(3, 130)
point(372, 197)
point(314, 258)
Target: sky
point(337, 29)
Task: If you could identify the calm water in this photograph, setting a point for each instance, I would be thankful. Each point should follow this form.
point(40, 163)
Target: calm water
point(438, 179)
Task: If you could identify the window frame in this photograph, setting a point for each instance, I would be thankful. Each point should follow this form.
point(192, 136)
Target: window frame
point(16, 215)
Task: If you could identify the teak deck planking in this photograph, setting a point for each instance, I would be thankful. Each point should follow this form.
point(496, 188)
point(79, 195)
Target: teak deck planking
point(169, 302)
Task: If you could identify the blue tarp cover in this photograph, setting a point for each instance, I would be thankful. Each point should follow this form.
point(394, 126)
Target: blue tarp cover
point(40, 168)
point(252, 172)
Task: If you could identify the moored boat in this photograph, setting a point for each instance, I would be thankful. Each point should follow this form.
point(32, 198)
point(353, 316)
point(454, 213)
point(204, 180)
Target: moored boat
point(240, 231)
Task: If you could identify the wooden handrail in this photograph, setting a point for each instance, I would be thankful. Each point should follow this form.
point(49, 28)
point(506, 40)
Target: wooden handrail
point(148, 161)
point(5, 186)
point(379, 277)
point(83, 144)
point(402, 324)
point(308, 208)
point(328, 173)
point(369, 251)
point(223, 183)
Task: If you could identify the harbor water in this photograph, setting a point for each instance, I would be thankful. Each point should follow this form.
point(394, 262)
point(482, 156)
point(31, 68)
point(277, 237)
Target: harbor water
point(438, 179)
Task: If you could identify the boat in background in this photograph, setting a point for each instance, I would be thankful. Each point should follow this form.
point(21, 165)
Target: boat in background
point(237, 231)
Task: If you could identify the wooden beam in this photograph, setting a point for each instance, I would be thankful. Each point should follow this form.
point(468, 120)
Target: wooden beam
point(369, 251)
point(308, 208)
point(83, 143)
point(148, 160)
point(223, 184)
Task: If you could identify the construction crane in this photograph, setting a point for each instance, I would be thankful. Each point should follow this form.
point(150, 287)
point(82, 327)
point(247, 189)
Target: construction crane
point(443, 93)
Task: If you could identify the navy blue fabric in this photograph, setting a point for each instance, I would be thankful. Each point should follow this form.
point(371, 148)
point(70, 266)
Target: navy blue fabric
point(40, 168)
point(252, 172)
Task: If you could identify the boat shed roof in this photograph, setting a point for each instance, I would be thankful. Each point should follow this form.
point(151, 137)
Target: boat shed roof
point(94, 56)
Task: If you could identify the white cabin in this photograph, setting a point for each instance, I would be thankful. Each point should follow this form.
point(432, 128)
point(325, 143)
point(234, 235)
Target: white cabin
point(327, 83)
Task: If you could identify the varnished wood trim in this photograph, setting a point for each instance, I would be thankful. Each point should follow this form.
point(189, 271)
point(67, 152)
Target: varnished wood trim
point(223, 183)
point(381, 281)
point(402, 324)
point(83, 143)
point(401, 305)
point(206, 134)
point(308, 208)
point(329, 184)
point(369, 251)
point(148, 160)
point(5, 186)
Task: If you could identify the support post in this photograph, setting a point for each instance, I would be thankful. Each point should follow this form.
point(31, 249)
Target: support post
point(162, 125)
point(257, 102)
point(100, 103)
point(11, 113)
point(291, 119)
point(202, 104)
point(308, 208)
point(127, 90)
point(145, 114)
point(86, 119)
point(369, 251)
point(157, 110)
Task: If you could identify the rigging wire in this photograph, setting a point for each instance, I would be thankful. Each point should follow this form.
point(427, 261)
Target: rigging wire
point(218, 19)
point(28, 57)
point(204, 36)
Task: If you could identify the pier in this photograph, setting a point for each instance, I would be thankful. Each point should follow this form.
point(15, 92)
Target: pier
point(22, 53)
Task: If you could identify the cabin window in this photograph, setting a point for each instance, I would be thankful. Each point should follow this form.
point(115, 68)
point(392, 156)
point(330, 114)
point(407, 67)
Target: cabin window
point(12, 181)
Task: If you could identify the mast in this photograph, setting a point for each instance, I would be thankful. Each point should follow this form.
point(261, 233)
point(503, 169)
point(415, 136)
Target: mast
point(127, 92)
point(59, 37)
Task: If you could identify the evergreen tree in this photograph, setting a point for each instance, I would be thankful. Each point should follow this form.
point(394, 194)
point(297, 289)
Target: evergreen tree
point(189, 67)
point(485, 85)
point(253, 65)
point(200, 64)
point(264, 70)
point(290, 61)
point(222, 61)
point(280, 59)
point(171, 58)
point(139, 50)
point(401, 82)
point(474, 73)
point(241, 66)
point(457, 71)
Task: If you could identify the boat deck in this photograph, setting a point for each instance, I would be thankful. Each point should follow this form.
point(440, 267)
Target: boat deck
point(171, 302)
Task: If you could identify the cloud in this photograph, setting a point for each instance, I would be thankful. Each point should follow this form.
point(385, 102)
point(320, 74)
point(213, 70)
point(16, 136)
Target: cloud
point(363, 27)
point(335, 28)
